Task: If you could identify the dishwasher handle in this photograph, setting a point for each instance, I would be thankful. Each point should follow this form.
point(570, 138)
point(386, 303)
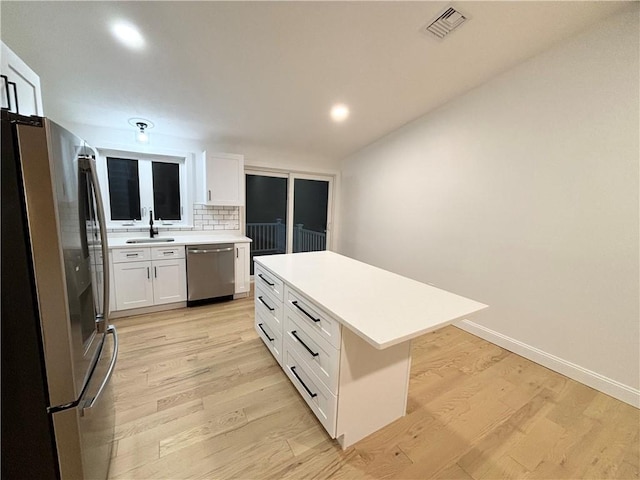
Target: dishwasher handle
point(217, 250)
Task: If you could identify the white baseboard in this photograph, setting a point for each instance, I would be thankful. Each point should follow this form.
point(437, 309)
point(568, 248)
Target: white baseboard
point(604, 384)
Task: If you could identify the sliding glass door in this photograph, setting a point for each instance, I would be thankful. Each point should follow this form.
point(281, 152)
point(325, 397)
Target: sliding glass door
point(287, 212)
point(310, 211)
point(266, 213)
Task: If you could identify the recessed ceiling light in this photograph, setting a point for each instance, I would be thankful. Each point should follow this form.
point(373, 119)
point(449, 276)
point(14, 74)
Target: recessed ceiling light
point(128, 35)
point(339, 112)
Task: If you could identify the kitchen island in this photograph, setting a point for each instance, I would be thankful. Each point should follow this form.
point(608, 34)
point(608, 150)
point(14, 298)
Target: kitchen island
point(341, 330)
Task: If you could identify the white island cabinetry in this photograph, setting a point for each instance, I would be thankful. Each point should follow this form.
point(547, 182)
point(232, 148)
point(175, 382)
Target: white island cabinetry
point(269, 310)
point(341, 330)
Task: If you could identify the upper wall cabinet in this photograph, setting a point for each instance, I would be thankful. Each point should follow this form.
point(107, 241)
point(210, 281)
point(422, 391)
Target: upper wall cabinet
point(20, 85)
point(224, 179)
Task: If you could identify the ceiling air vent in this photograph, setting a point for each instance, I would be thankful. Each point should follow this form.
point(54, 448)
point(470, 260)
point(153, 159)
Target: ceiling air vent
point(445, 23)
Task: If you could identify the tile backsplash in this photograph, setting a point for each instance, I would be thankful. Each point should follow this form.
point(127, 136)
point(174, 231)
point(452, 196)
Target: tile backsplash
point(205, 217)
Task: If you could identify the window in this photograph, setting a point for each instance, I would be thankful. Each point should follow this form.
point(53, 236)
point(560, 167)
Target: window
point(124, 189)
point(136, 184)
point(166, 191)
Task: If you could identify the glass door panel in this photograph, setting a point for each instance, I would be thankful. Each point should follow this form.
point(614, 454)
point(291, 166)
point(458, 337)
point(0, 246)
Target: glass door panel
point(310, 206)
point(266, 212)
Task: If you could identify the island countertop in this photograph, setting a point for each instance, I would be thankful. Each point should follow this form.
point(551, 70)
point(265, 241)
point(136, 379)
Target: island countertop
point(381, 307)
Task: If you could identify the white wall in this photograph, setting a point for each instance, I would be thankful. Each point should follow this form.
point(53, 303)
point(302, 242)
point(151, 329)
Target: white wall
point(255, 155)
point(523, 194)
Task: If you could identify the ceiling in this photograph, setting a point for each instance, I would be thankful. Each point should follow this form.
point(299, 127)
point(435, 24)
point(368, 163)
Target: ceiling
point(267, 73)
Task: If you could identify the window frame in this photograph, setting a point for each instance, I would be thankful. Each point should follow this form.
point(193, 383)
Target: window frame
point(145, 181)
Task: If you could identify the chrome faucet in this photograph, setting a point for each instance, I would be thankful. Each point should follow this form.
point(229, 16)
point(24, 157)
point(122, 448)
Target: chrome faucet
point(152, 231)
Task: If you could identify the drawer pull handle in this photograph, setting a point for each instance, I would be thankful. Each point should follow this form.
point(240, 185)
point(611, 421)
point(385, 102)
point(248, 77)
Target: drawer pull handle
point(295, 304)
point(313, 354)
point(170, 252)
point(266, 304)
point(265, 332)
point(293, 370)
point(132, 254)
point(268, 282)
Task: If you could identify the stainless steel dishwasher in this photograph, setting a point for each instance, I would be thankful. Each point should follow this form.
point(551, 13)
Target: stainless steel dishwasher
point(210, 271)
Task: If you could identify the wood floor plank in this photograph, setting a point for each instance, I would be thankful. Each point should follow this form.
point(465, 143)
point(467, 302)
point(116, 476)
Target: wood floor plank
point(453, 472)
point(307, 440)
point(539, 441)
point(157, 419)
point(504, 467)
point(199, 433)
point(323, 461)
point(199, 396)
point(478, 460)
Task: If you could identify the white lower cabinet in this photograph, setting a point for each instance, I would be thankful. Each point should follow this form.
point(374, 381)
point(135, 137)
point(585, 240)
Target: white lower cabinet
point(319, 357)
point(133, 285)
point(270, 335)
point(169, 282)
point(269, 318)
point(300, 337)
point(353, 388)
point(140, 281)
point(315, 392)
point(242, 276)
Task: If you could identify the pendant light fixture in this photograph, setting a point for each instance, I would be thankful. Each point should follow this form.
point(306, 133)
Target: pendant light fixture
point(142, 126)
point(141, 135)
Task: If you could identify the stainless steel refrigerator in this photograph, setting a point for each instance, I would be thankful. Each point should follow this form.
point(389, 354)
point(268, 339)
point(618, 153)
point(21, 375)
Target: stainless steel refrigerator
point(58, 350)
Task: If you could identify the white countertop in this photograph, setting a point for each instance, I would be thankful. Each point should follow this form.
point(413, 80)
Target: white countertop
point(383, 308)
point(119, 240)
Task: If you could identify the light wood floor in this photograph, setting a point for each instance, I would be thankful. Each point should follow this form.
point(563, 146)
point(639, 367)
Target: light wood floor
point(199, 396)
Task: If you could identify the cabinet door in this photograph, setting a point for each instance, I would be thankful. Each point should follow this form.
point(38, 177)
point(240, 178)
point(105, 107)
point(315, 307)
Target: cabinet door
point(169, 281)
point(242, 279)
point(224, 179)
point(112, 287)
point(133, 285)
point(27, 85)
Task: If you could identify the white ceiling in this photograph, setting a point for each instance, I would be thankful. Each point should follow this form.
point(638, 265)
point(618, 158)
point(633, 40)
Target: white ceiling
point(267, 73)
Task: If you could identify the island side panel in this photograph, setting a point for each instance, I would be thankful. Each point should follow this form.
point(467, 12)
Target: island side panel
point(374, 386)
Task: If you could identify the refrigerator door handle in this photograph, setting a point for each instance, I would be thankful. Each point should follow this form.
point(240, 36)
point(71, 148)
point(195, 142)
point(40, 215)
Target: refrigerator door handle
point(102, 318)
point(111, 330)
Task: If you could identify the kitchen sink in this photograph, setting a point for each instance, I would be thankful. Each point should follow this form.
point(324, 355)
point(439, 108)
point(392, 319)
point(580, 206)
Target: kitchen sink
point(150, 240)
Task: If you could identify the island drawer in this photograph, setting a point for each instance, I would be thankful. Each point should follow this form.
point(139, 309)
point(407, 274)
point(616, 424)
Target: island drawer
point(269, 306)
point(270, 336)
point(317, 354)
point(315, 393)
point(269, 281)
point(309, 313)
point(121, 255)
point(165, 253)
